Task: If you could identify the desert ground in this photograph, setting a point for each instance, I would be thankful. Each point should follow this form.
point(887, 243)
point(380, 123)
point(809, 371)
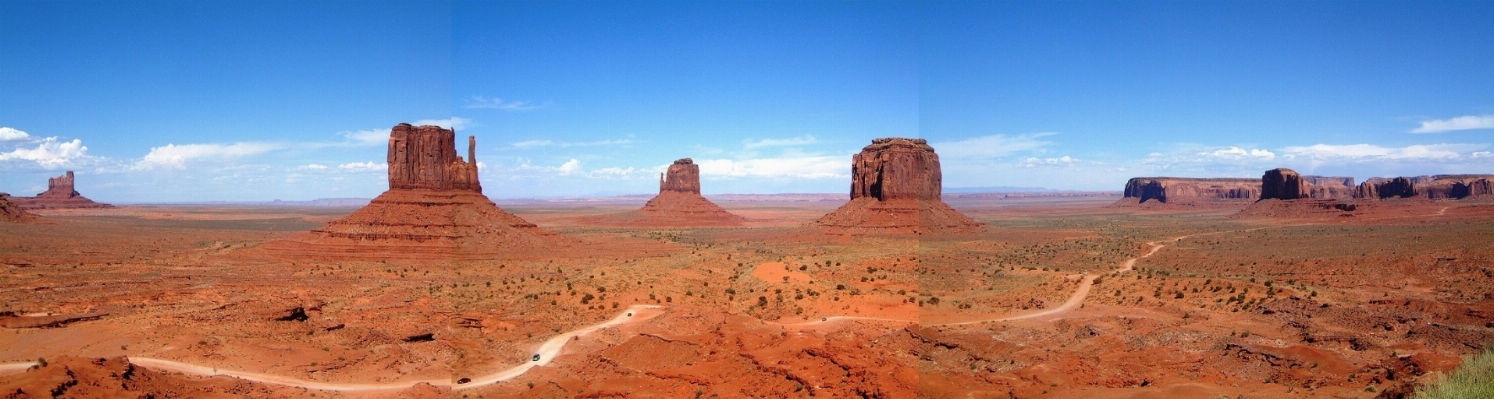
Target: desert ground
point(1055, 297)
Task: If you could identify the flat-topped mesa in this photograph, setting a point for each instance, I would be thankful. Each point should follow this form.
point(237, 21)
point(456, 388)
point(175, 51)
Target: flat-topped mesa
point(1480, 187)
point(896, 188)
point(1330, 187)
point(896, 168)
point(1182, 190)
point(683, 176)
point(425, 157)
point(1283, 184)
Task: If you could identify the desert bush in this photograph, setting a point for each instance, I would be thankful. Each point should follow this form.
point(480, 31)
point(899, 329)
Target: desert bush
point(1474, 379)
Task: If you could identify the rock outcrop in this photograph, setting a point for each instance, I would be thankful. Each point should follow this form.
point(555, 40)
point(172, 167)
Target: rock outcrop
point(679, 203)
point(1189, 191)
point(1438, 187)
point(683, 176)
point(11, 212)
point(1330, 187)
point(60, 194)
point(896, 187)
point(434, 208)
point(1283, 184)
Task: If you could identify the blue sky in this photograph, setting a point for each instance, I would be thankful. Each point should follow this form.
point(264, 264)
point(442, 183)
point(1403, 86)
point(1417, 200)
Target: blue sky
point(245, 101)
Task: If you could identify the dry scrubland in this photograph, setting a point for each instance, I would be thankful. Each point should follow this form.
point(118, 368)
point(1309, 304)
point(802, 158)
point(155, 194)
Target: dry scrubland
point(1362, 306)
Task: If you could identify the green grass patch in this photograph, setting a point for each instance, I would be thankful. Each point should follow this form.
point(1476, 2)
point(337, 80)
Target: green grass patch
point(1474, 379)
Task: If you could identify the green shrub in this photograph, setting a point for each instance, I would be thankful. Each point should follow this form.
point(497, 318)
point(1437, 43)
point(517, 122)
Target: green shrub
point(1474, 379)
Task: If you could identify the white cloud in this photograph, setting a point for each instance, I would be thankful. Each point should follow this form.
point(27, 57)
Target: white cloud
point(1466, 122)
point(1241, 153)
point(370, 138)
point(533, 143)
point(315, 167)
point(992, 146)
point(788, 142)
point(176, 156)
point(1482, 154)
point(499, 104)
point(1358, 152)
point(50, 153)
point(364, 167)
point(1033, 162)
point(454, 122)
point(571, 166)
point(12, 134)
point(803, 167)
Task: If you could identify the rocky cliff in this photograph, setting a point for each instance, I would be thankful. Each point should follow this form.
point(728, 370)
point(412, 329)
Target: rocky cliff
point(1330, 187)
point(434, 209)
point(11, 212)
point(896, 187)
point(1283, 184)
point(1456, 187)
point(683, 176)
point(60, 194)
point(425, 157)
point(1189, 191)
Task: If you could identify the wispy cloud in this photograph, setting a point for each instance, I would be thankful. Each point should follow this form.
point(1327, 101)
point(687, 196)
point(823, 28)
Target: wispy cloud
point(365, 138)
point(314, 167)
point(569, 167)
point(1033, 162)
point(499, 104)
point(12, 134)
point(454, 122)
point(1467, 122)
point(176, 156)
point(993, 146)
point(50, 153)
point(1367, 152)
point(1240, 153)
point(369, 166)
point(788, 142)
point(802, 167)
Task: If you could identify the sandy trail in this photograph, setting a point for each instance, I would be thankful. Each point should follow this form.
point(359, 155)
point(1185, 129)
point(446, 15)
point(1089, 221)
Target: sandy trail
point(548, 351)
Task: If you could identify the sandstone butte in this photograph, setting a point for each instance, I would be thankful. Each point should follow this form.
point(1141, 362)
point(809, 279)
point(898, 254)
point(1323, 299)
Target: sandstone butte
point(1287, 194)
point(434, 208)
point(60, 194)
point(896, 187)
point(678, 203)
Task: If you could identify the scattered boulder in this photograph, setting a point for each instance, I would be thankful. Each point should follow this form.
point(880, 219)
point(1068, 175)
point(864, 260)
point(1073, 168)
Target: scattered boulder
point(1283, 184)
point(896, 187)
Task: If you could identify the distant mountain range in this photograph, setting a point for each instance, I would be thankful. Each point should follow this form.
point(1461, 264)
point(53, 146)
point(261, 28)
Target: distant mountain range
point(995, 189)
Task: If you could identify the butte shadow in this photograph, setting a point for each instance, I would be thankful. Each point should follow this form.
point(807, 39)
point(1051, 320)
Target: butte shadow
point(896, 188)
point(434, 209)
point(679, 204)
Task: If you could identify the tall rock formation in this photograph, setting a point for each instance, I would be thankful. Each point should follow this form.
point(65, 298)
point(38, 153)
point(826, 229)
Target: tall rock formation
point(434, 209)
point(1283, 184)
point(60, 194)
point(896, 187)
point(683, 176)
point(679, 203)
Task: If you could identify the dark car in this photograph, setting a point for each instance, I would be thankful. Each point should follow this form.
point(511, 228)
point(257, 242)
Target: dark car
point(630, 314)
point(464, 380)
point(536, 357)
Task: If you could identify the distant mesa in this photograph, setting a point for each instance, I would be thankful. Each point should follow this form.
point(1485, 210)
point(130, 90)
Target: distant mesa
point(1287, 194)
point(679, 203)
point(434, 208)
point(10, 212)
point(1438, 187)
point(60, 194)
point(1234, 192)
point(896, 187)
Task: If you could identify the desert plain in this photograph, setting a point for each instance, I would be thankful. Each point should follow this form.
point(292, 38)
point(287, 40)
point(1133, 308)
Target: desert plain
point(1056, 296)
